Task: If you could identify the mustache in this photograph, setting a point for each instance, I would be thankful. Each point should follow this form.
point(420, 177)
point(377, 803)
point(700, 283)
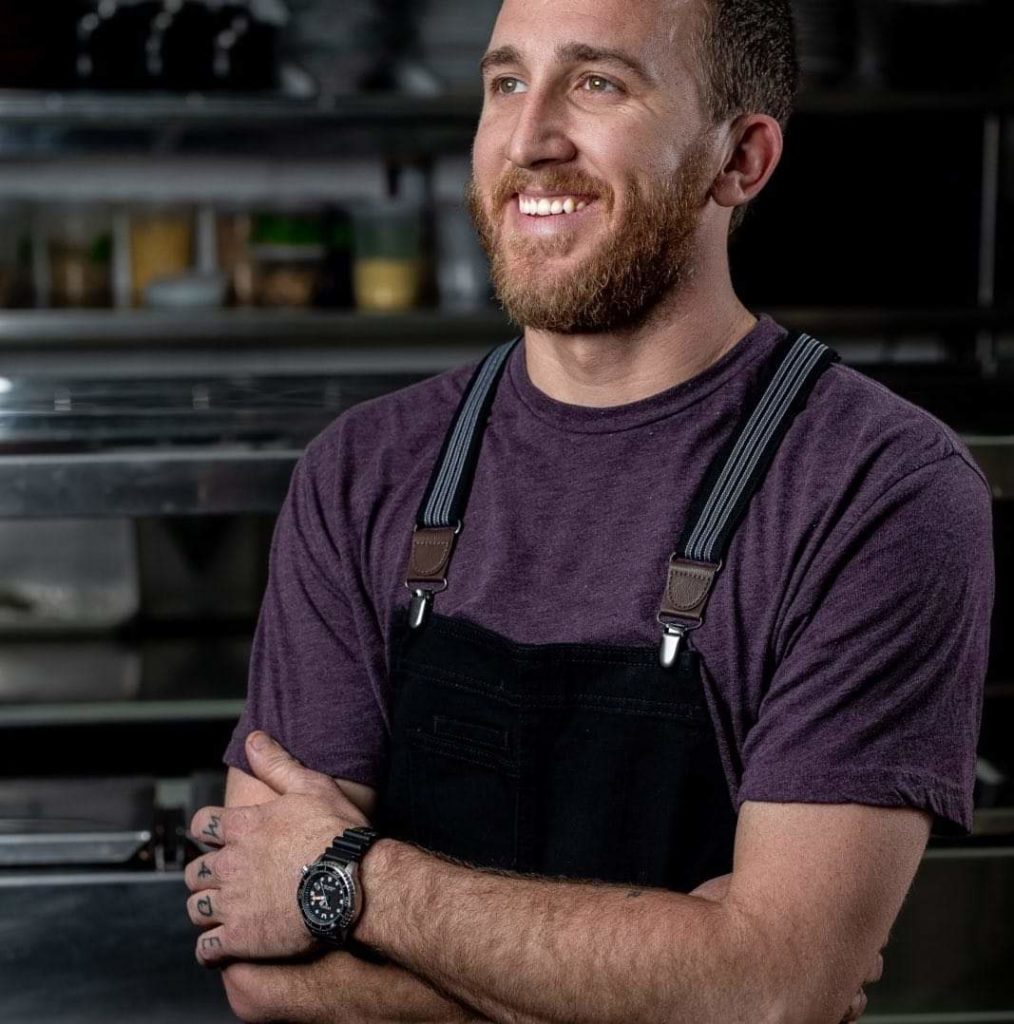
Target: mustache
point(573, 182)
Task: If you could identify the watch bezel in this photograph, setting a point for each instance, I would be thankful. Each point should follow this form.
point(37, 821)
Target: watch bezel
point(346, 877)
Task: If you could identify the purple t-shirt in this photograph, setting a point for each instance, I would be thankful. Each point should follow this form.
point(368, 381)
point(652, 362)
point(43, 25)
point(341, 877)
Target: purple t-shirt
point(845, 643)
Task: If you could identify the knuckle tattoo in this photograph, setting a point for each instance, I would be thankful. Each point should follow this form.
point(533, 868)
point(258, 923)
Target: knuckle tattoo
point(213, 829)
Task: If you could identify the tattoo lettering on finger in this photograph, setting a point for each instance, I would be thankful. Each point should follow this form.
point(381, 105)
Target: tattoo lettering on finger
point(634, 893)
point(204, 906)
point(211, 831)
point(210, 942)
point(204, 871)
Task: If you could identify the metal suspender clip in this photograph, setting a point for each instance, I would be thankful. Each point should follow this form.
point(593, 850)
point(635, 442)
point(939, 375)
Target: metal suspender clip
point(687, 589)
point(672, 637)
point(432, 548)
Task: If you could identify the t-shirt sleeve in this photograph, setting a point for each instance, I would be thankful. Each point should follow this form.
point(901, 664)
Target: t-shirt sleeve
point(876, 691)
point(309, 682)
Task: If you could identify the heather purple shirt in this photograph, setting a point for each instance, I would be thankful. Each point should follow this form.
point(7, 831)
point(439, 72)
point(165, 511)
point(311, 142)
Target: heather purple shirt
point(845, 643)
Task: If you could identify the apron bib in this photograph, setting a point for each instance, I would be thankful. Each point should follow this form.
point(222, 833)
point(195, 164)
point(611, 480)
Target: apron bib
point(575, 760)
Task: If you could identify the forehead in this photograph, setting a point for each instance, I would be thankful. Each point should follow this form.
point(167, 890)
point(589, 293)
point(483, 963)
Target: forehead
point(660, 33)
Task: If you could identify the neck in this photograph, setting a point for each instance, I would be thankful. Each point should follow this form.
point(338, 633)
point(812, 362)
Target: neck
point(690, 332)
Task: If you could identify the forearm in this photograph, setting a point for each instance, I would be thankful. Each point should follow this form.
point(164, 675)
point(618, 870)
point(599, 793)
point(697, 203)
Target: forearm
point(338, 988)
point(533, 950)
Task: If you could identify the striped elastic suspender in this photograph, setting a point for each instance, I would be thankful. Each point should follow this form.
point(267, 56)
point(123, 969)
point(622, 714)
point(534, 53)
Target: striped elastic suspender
point(442, 511)
point(729, 485)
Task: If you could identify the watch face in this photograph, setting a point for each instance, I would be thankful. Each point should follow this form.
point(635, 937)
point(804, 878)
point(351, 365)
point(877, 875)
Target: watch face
point(327, 897)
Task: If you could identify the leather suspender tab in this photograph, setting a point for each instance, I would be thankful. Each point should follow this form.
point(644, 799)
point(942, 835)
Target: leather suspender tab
point(687, 589)
point(431, 553)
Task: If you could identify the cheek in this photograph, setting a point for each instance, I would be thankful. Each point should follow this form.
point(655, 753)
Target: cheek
point(487, 153)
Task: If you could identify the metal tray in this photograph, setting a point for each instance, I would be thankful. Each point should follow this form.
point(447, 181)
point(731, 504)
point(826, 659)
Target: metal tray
point(74, 821)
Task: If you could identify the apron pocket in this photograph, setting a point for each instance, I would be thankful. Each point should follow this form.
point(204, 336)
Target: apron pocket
point(465, 798)
point(471, 733)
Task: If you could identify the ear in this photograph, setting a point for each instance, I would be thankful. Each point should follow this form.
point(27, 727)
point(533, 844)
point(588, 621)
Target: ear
point(753, 151)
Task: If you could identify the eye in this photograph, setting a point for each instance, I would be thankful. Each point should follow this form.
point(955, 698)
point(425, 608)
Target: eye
point(596, 83)
point(508, 86)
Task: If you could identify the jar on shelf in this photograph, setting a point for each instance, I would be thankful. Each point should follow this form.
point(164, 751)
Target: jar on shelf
point(288, 249)
point(15, 257)
point(161, 246)
point(389, 267)
point(233, 229)
point(79, 247)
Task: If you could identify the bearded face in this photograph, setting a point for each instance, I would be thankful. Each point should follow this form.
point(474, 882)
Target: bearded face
point(605, 265)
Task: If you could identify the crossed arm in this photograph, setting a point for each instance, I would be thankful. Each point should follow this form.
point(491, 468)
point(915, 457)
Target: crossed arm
point(813, 895)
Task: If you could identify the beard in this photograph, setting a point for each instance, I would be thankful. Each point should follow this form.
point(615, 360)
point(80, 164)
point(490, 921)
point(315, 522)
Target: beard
point(646, 258)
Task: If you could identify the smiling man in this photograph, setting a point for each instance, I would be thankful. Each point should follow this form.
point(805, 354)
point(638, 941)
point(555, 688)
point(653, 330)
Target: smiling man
point(691, 653)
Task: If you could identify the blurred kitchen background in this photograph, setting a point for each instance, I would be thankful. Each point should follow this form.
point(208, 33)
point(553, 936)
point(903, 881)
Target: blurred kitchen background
point(224, 222)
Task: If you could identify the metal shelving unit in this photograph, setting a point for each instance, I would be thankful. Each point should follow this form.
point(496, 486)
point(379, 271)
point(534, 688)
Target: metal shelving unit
point(323, 329)
point(240, 474)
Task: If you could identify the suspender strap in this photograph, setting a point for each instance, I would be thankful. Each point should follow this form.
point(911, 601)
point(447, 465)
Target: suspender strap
point(442, 511)
point(447, 493)
point(731, 482)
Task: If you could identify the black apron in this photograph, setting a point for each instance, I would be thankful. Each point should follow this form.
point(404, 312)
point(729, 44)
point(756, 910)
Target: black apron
point(576, 760)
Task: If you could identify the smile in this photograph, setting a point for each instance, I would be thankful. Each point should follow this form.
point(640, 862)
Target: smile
point(535, 206)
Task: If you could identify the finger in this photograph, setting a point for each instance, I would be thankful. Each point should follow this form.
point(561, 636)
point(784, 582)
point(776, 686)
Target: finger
point(876, 971)
point(208, 826)
point(204, 908)
point(274, 765)
point(200, 873)
point(856, 1008)
point(211, 949)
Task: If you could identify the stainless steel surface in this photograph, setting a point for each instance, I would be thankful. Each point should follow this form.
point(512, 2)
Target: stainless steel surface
point(65, 575)
point(951, 950)
point(31, 715)
point(111, 111)
point(403, 339)
point(406, 336)
point(158, 482)
point(33, 843)
point(74, 821)
point(93, 948)
point(995, 456)
point(221, 481)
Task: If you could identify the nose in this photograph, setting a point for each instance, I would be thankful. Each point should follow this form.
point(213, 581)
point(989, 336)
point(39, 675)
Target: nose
point(539, 135)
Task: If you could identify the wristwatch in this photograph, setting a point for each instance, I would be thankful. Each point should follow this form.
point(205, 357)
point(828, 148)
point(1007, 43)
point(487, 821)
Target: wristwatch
point(329, 895)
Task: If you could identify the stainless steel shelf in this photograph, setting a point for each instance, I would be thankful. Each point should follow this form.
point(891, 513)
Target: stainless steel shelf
point(154, 482)
point(108, 112)
point(411, 332)
point(220, 481)
point(995, 456)
point(118, 712)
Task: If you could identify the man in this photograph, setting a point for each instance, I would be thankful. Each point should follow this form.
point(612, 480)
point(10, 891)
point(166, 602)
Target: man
point(805, 693)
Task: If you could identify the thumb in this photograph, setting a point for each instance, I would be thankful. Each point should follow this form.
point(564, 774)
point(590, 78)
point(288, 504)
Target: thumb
point(274, 765)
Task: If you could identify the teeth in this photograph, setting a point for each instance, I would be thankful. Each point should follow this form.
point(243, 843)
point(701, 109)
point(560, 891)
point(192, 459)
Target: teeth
point(544, 207)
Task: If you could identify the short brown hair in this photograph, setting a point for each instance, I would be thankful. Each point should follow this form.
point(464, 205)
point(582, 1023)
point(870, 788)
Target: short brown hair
point(749, 62)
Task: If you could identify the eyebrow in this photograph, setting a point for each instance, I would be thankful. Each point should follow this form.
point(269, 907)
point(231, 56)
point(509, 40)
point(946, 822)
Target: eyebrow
point(570, 53)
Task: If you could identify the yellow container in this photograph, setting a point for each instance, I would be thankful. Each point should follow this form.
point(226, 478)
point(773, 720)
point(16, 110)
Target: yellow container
point(387, 285)
point(161, 245)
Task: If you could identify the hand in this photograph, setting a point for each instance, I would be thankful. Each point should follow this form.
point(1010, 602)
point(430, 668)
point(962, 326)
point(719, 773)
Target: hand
point(337, 988)
point(716, 888)
point(295, 992)
point(244, 894)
